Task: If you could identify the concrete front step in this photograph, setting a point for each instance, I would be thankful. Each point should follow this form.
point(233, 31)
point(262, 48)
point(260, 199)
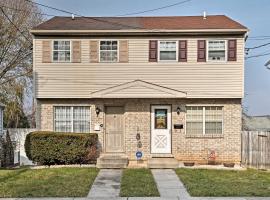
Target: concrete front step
point(113, 161)
point(163, 163)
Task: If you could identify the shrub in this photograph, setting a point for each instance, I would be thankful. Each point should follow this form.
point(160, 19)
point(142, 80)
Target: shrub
point(6, 151)
point(50, 148)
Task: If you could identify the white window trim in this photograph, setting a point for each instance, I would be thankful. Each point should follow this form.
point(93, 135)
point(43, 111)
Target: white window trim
point(199, 105)
point(72, 120)
point(113, 50)
point(177, 48)
point(52, 50)
point(207, 51)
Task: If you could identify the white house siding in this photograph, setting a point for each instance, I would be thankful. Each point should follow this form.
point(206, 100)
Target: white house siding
point(197, 79)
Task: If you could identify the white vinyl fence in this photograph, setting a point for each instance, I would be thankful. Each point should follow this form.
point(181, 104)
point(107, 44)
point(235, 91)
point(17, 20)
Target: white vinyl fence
point(18, 136)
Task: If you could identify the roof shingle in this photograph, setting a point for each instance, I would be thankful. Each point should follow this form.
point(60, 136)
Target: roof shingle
point(144, 23)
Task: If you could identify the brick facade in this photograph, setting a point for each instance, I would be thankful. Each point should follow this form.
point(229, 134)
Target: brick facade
point(137, 120)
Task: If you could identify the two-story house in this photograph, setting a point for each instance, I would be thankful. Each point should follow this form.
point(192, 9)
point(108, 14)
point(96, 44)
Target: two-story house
point(162, 89)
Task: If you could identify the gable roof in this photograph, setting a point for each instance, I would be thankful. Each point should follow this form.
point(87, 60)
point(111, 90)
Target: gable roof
point(139, 23)
point(138, 89)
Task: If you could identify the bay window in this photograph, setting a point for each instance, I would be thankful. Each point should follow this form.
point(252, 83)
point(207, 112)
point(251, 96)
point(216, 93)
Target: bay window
point(72, 119)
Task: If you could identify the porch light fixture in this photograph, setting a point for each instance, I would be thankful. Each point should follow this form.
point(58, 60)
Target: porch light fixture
point(178, 110)
point(98, 110)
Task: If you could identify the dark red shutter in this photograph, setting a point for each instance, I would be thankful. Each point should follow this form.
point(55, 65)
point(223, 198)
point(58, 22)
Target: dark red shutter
point(201, 51)
point(182, 57)
point(153, 51)
point(232, 46)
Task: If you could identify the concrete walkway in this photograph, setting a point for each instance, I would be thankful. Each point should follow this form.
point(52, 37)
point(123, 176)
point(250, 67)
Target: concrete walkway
point(142, 198)
point(169, 185)
point(107, 184)
point(107, 187)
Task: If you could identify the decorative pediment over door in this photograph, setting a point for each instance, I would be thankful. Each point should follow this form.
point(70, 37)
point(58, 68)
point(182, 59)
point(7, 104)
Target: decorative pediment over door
point(138, 89)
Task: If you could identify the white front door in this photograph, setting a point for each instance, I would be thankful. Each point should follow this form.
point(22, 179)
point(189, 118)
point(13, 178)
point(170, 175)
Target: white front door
point(161, 129)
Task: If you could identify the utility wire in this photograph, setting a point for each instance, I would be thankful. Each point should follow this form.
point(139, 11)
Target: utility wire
point(3, 6)
point(15, 26)
point(256, 47)
point(84, 17)
point(262, 36)
point(103, 20)
point(258, 39)
point(258, 55)
point(154, 9)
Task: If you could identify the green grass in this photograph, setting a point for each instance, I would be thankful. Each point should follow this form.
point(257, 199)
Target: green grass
point(203, 182)
point(138, 182)
point(61, 182)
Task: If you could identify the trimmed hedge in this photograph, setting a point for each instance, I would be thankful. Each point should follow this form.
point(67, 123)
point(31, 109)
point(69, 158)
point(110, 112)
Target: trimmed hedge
point(55, 148)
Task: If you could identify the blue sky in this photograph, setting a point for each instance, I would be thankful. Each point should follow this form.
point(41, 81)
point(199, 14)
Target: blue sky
point(252, 13)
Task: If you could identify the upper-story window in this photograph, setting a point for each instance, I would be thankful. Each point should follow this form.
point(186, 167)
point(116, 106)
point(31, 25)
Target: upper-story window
point(167, 50)
point(216, 50)
point(61, 51)
point(108, 51)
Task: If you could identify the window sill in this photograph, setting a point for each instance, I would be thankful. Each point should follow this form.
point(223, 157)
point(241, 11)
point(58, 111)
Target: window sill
point(205, 136)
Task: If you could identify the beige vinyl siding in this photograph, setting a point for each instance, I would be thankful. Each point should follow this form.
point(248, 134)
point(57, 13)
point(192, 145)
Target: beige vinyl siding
point(198, 80)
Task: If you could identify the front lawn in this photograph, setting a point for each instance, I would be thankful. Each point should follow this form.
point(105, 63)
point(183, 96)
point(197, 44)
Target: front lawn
point(203, 182)
point(60, 182)
point(138, 183)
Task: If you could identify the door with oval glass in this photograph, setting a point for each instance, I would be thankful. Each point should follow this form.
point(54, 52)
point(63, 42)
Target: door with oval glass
point(161, 129)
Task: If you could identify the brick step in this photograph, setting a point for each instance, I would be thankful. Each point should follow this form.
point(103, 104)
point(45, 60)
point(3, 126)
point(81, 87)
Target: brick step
point(122, 160)
point(111, 165)
point(112, 161)
point(163, 163)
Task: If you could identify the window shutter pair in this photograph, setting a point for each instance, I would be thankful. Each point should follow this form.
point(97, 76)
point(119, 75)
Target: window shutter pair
point(47, 51)
point(201, 49)
point(123, 51)
point(153, 51)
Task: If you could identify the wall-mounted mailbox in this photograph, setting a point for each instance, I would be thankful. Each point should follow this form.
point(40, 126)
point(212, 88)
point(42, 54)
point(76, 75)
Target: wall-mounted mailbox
point(178, 126)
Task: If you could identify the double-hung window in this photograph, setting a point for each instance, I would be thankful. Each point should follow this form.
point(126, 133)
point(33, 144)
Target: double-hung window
point(108, 51)
point(216, 50)
point(61, 51)
point(168, 50)
point(204, 120)
point(72, 119)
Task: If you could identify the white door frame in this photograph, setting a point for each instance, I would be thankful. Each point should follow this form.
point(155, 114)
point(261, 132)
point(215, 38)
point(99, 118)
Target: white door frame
point(161, 136)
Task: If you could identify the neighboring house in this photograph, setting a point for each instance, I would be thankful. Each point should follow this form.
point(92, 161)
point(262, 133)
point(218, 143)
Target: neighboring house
point(2, 106)
point(256, 123)
point(169, 87)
